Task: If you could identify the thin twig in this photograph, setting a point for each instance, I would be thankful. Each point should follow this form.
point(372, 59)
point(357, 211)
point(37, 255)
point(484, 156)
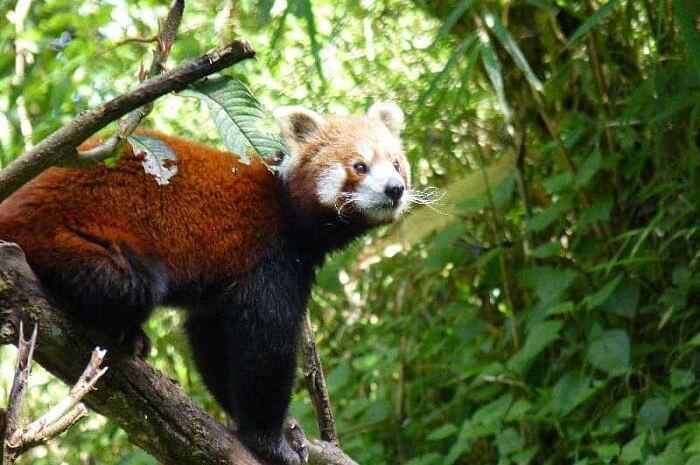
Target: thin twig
point(25, 353)
point(55, 421)
point(164, 42)
point(316, 384)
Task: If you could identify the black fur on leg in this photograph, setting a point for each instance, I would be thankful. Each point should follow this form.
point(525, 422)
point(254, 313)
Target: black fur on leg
point(245, 345)
point(113, 293)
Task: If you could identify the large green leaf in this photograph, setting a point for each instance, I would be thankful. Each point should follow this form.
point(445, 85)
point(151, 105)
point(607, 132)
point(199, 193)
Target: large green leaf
point(653, 414)
point(570, 391)
point(238, 115)
point(611, 352)
point(539, 337)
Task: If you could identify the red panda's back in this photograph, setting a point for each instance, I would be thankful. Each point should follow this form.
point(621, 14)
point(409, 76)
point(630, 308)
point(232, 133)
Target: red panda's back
point(215, 215)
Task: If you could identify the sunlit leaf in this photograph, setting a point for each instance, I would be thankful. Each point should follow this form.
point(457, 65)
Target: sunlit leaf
point(493, 70)
point(305, 8)
point(159, 159)
point(512, 48)
point(238, 116)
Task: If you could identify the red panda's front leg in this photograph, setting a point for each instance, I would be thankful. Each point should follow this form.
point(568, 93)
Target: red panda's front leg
point(245, 343)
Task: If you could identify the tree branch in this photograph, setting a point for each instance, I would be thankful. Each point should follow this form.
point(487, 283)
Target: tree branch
point(164, 42)
point(316, 383)
point(153, 411)
point(59, 148)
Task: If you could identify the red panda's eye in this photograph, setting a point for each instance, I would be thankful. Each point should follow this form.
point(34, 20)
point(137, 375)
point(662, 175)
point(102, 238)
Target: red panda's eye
point(397, 167)
point(360, 168)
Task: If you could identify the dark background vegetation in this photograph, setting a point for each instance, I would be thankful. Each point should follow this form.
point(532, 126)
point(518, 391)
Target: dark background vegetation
point(547, 312)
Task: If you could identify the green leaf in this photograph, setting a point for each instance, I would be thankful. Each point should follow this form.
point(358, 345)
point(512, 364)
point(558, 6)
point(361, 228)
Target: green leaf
point(264, 8)
point(513, 50)
point(509, 441)
point(597, 213)
point(596, 299)
point(589, 168)
point(633, 450)
point(453, 60)
point(558, 182)
point(546, 250)
point(687, 14)
point(682, 378)
point(671, 455)
point(654, 414)
point(549, 283)
point(592, 20)
point(443, 432)
point(561, 308)
point(549, 215)
point(570, 391)
point(493, 412)
point(610, 352)
point(459, 10)
point(538, 338)
point(624, 299)
point(306, 10)
point(493, 70)
point(159, 159)
point(338, 377)
point(238, 115)
point(607, 452)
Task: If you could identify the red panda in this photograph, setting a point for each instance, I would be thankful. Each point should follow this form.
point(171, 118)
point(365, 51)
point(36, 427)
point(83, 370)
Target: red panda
point(234, 244)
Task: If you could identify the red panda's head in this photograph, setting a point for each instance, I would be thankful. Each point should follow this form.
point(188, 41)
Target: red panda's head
point(351, 165)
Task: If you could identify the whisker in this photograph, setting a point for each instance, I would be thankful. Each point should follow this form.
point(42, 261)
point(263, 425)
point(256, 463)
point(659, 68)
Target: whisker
point(427, 197)
point(349, 198)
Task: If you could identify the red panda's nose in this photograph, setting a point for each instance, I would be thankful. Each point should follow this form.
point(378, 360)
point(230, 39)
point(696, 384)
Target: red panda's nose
point(393, 189)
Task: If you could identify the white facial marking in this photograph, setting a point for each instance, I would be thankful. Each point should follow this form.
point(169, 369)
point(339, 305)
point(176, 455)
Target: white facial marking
point(330, 184)
point(287, 166)
point(365, 152)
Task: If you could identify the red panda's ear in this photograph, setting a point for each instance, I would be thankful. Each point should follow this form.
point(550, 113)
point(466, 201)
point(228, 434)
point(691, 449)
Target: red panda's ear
point(298, 124)
point(388, 113)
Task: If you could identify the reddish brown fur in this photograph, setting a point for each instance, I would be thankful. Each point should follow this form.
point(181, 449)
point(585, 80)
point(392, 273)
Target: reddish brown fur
point(229, 208)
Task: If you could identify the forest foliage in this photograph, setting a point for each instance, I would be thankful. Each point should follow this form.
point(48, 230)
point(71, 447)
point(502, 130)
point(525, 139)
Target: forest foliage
point(544, 311)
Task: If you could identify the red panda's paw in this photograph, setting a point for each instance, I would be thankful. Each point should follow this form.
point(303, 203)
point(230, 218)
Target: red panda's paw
point(296, 438)
point(275, 450)
point(134, 343)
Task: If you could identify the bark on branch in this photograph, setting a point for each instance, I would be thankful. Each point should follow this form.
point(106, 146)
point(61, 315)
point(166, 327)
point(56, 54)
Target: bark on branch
point(60, 146)
point(153, 410)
